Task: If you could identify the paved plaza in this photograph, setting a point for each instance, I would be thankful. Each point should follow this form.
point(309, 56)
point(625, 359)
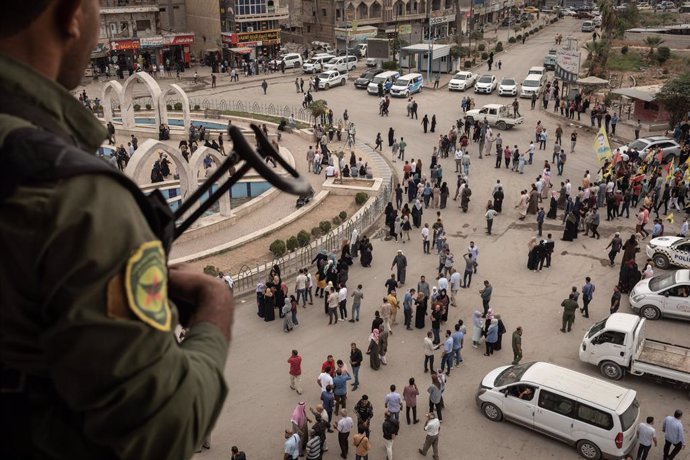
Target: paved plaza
point(260, 402)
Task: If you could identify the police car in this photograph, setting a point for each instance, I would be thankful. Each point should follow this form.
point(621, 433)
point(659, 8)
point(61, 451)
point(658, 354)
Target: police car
point(666, 251)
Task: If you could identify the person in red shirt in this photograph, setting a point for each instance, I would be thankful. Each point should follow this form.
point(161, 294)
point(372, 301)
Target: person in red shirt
point(295, 362)
point(329, 364)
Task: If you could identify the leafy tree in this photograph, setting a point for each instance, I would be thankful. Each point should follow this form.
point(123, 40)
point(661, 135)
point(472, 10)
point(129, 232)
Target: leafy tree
point(319, 109)
point(608, 17)
point(653, 41)
point(663, 54)
point(597, 55)
point(675, 97)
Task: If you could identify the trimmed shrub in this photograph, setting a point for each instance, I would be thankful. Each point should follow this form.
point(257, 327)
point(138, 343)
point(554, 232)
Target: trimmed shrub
point(468, 64)
point(624, 50)
point(663, 54)
point(362, 197)
point(177, 106)
point(390, 65)
point(336, 221)
point(518, 37)
point(303, 238)
point(316, 232)
point(278, 248)
point(342, 215)
point(499, 47)
point(211, 270)
point(325, 226)
point(485, 56)
point(512, 40)
point(148, 106)
point(292, 243)
point(137, 107)
point(481, 47)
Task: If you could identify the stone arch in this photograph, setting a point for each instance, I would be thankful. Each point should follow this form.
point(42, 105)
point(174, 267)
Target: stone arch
point(196, 161)
point(399, 8)
point(150, 147)
point(375, 10)
point(362, 11)
point(350, 12)
point(127, 107)
point(106, 98)
point(163, 109)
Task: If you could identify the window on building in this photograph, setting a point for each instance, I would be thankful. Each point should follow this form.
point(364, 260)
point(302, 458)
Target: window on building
point(337, 13)
point(176, 7)
point(143, 25)
point(251, 6)
point(323, 12)
point(162, 10)
point(308, 29)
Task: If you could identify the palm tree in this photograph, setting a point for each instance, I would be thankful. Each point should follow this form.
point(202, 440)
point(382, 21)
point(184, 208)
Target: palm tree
point(608, 17)
point(596, 55)
point(653, 41)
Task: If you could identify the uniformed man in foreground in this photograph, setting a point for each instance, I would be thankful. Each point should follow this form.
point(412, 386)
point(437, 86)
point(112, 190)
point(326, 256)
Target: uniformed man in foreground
point(89, 366)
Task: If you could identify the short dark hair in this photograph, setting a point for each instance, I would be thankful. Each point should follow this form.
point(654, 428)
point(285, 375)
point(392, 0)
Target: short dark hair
point(650, 419)
point(392, 387)
point(234, 449)
point(18, 16)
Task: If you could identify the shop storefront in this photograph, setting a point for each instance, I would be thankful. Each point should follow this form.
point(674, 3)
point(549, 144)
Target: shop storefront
point(250, 45)
point(172, 51)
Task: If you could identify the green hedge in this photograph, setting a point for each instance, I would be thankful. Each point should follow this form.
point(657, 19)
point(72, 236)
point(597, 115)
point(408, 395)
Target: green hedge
point(292, 243)
point(361, 197)
point(278, 248)
point(325, 226)
point(303, 238)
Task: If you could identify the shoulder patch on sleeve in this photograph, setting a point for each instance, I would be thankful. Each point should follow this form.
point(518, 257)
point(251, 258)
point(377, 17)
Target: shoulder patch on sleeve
point(146, 286)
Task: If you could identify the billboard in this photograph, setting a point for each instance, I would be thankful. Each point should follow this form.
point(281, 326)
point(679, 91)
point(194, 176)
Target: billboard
point(378, 48)
point(567, 64)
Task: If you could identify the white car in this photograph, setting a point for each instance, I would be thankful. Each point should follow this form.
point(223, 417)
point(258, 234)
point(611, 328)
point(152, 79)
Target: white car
point(669, 147)
point(485, 84)
point(507, 87)
point(568, 12)
point(666, 295)
point(666, 251)
point(331, 78)
point(461, 81)
point(371, 62)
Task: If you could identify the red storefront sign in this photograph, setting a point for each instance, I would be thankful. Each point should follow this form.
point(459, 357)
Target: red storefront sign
point(129, 44)
point(182, 40)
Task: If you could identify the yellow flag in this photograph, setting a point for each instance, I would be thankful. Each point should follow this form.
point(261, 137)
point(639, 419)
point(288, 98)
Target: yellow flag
point(354, 26)
point(669, 217)
point(602, 148)
point(671, 170)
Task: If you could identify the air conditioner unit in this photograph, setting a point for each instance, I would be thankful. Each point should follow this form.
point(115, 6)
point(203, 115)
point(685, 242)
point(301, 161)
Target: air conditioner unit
point(250, 29)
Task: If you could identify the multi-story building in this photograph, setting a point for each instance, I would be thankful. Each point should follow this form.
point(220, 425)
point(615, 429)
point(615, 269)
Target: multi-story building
point(251, 28)
point(349, 20)
point(132, 35)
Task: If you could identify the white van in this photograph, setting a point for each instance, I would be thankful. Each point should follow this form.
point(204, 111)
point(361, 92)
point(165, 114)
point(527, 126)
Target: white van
point(386, 79)
point(533, 84)
point(292, 60)
point(599, 418)
point(537, 70)
point(316, 63)
point(587, 26)
point(407, 84)
point(342, 64)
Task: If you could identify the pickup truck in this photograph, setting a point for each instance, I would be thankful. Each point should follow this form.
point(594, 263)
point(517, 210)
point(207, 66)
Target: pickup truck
point(617, 345)
point(550, 60)
point(500, 116)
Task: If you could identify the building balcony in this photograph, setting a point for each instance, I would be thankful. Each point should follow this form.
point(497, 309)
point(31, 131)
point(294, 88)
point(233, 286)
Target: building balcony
point(274, 14)
point(130, 9)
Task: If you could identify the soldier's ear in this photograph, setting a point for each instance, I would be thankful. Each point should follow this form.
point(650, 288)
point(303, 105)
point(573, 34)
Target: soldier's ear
point(68, 15)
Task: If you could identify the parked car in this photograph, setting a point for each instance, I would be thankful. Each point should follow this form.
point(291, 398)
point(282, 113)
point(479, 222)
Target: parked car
point(331, 78)
point(507, 87)
point(644, 6)
point(291, 60)
point(407, 84)
point(670, 148)
point(363, 81)
point(666, 295)
point(666, 6)
point(461, 81)
point(667, 251)
point(587, 26)
point(485, 84)
point(371, 62)
point(530, 9)
point(598, 417)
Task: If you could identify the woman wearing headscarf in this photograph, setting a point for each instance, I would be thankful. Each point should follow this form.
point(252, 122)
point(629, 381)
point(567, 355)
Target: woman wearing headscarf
point(476, 328)
point(532, 258)
point(269, 303)
point(498, 197)
point(354, 243)
point(420, 310)
point(570, 232)
point(286, 313)
point(533, 205)
point(501, 331)
point(436, 193)
point(260, 287)
point(397, 227)
point(411, 189)
point(365, 248)
point(522, 204)
point(553, 206)
point(445, 191)
point(300, 424)
point(443, 300)
point(374, 349)
point(491, 337)
point(417, 211)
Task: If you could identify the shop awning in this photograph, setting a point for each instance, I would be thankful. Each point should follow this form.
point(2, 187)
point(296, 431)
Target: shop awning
point(240, 50)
